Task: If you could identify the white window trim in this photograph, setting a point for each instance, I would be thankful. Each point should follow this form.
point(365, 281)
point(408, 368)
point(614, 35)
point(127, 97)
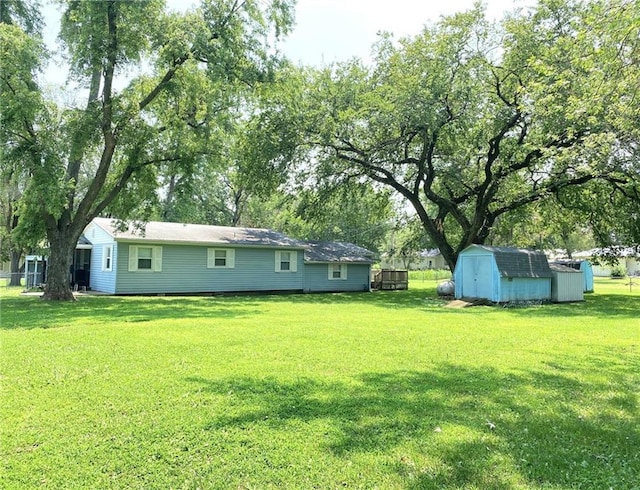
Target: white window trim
point(230, 259)
point(156, 258)
point(107, 258)
point(343, 272)
point(293, 261)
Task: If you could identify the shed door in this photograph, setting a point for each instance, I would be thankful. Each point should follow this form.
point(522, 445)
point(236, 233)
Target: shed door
point(476, 279)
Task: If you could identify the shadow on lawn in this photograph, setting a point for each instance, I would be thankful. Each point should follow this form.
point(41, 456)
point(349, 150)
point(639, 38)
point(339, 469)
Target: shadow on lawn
point(598, 305)
point(31, 312)
point(541, 432)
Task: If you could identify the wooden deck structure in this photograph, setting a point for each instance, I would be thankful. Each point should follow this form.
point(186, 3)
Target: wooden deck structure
point(390, 280)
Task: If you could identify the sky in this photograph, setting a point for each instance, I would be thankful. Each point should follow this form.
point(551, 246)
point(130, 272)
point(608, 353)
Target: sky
point(329, 31)
point(338, 30)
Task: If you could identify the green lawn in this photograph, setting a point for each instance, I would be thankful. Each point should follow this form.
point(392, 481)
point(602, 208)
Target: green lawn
point(383, 390)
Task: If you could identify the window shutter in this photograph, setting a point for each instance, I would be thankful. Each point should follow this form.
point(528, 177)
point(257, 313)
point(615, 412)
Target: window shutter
point(133, 258)
point(157, 259)
point(211, 258)
point(231, 258)
point(277, 261)
point(294, 261)
point(343, 271)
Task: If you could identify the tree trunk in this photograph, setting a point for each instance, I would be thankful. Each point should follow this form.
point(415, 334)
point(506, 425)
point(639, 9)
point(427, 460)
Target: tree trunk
point(58, 283)
point(15, 268)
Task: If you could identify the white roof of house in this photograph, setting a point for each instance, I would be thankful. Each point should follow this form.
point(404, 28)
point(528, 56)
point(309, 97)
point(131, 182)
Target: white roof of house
point(432, 252)
point(595, 252)
point(159, 232)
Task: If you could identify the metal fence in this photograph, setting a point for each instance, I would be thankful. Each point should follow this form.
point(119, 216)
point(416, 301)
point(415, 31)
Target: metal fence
point(29, 281)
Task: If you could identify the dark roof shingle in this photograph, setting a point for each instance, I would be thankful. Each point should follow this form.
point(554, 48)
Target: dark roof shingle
point(155, 231)
point(337, 252)
point(517, 262)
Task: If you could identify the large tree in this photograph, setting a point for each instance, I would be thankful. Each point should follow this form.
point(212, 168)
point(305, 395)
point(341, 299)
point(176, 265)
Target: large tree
point(21, 52)
point(243, 162)
point(21, 57)
point(470, 121)
point(106, 153)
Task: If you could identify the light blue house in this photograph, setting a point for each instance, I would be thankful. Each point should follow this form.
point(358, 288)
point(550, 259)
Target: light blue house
point(502, 274)
point(335, 266)
point(176, 258)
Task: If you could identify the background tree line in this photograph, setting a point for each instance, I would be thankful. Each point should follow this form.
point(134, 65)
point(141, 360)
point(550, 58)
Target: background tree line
point(519, 132)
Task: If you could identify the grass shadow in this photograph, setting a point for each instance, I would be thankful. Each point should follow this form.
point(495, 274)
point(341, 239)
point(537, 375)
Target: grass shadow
point(481, 425)
point(30, 312)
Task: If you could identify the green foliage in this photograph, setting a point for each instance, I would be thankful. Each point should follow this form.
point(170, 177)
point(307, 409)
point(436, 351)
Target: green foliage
point(416, 277)
point(471, 121)
point(385, 390)
point(618, 271)
point(348, 212)
point(406, 240)
point(24, 13)
point(21, 110)
point(109, 155)
point(88, 36)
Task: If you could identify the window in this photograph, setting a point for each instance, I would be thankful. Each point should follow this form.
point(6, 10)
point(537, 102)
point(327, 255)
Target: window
point(286, 261)
point(145, 258)
point(107, 258)
point(337, 272)
point(220, 258)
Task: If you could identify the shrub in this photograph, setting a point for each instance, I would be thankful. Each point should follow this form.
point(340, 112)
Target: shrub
point(618, 271)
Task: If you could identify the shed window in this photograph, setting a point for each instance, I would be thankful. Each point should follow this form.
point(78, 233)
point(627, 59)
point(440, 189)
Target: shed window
point(107, 258)
point(337, 272)
point(286, 261)
point(220, 258)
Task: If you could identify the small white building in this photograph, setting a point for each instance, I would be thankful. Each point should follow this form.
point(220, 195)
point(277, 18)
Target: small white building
point(628, 260)
point(423, 260)
point(567, 284)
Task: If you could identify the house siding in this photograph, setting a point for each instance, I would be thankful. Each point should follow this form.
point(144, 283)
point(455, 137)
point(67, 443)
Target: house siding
point(317, 278)
point(184, 270)
point(102, 281)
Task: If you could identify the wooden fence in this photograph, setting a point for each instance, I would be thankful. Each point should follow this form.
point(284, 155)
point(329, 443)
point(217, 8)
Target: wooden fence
point(390, 279)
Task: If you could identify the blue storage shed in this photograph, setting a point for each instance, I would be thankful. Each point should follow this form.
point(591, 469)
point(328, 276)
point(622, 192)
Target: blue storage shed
point(585, 267)
point(502, 274)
